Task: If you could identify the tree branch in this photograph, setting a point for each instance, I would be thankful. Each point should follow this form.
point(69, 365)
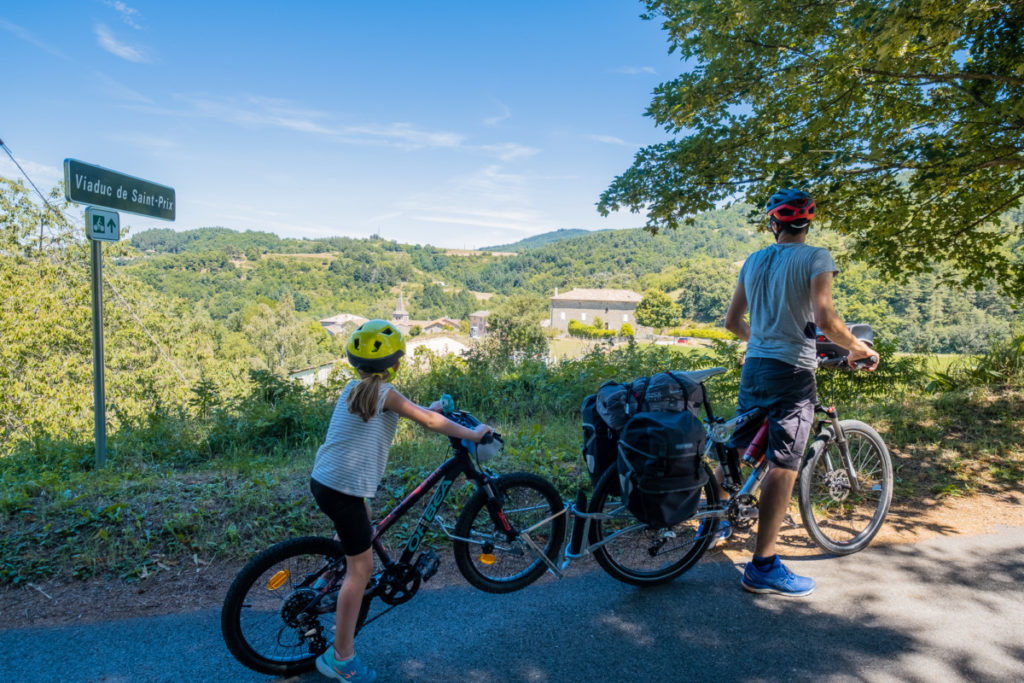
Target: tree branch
point(943, 78)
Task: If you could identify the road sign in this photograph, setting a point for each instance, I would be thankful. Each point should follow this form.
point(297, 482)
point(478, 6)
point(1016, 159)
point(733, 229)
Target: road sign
point(103, 225)
point(88, 184)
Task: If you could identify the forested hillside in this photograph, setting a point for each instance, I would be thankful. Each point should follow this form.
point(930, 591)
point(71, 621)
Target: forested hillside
point(225, 272)
point(538, 240)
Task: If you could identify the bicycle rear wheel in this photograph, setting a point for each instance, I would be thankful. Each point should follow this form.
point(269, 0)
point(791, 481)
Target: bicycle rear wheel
point(837, 518)
point(273, 620)
point(487, 558)
point(635, 553)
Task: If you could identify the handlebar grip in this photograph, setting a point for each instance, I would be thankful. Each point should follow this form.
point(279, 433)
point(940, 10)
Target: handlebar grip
point(865, 362)
point(447, 403)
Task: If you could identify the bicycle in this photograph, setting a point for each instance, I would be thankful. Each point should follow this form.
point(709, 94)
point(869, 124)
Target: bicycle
point(280, 608)
point(844, 491)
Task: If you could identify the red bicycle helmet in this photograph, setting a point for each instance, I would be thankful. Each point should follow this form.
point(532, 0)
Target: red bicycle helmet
point(793, 208)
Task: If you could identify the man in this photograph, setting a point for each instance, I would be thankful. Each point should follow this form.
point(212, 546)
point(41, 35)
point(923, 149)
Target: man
point(787, 287)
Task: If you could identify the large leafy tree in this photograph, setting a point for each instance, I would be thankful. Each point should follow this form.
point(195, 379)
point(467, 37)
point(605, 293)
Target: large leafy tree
point(904, 119)
point(657, 310)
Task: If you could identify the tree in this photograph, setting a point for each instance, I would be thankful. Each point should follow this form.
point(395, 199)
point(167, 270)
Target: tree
point(515, 326)
point(904, 120)
point(656, 309)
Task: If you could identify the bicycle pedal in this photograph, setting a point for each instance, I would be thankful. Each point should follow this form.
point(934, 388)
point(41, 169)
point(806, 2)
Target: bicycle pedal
point(427, 564)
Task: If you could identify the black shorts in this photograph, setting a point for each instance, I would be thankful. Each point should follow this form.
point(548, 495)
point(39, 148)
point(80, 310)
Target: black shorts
point(787, 395)
point(348, 514)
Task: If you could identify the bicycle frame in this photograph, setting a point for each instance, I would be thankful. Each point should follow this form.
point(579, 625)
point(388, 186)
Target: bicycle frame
point(444, 477)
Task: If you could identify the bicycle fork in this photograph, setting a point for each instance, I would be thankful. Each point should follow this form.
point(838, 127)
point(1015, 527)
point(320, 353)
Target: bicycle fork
point(834, 432)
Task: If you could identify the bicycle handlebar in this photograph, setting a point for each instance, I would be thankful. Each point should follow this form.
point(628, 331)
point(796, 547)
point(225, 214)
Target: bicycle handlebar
point(489, 446)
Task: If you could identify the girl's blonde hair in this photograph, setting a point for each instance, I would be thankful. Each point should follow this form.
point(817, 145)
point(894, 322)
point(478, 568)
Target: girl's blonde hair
point(362, 400)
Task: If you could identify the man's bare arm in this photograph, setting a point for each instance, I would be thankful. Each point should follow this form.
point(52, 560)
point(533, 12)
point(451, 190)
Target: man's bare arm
point(734, 321)
point(831, 324)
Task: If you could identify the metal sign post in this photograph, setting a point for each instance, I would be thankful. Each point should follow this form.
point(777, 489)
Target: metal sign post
point(88, 184)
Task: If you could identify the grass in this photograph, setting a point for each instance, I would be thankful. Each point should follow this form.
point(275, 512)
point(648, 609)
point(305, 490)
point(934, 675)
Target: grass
point(63, 519)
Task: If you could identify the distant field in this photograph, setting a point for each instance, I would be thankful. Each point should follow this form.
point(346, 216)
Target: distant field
point(571, 348)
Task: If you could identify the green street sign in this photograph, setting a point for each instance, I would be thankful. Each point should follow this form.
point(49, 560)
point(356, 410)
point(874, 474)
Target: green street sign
point(103, 225)
point(88, 184)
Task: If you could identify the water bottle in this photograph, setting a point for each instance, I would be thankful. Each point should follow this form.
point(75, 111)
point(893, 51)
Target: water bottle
point(755, 451)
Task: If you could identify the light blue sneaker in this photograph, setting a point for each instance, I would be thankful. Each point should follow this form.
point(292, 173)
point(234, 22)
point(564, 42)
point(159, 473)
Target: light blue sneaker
point(776, 579)
point(723, 532)
point(353, 671)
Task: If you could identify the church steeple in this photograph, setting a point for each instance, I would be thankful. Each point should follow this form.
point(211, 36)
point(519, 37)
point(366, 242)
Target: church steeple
point(400, 314)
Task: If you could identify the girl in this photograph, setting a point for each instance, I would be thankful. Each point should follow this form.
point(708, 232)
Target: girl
point(350, 464)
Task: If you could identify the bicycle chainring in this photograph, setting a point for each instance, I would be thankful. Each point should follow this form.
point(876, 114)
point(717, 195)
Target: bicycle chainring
point(398, 584)
point(743, 510)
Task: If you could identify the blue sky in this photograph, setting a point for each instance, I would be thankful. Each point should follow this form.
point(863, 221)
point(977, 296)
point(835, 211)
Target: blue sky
point(457, 124)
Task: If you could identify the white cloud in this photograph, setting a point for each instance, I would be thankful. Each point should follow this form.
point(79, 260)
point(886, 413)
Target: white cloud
point(609, 140)
point(153, 143)
point(634, 70)
point(127, 13)
point(266, 112)
point(507, 151)
point(119, 90)
point(495, 120)
point(30, 37)
point(109, 43)
point(42, 175)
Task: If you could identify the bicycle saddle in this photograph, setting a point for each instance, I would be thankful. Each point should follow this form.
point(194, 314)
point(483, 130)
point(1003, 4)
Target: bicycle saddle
point(701, 376)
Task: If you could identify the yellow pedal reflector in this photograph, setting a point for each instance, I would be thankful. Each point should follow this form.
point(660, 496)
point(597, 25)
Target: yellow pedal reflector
point(278, 579)
point(487, 558)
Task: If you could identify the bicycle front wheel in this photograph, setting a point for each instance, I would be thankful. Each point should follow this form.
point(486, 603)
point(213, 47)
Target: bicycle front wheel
point(838, 518)
point(273, 620)
point(486, 557)
point(635, 553)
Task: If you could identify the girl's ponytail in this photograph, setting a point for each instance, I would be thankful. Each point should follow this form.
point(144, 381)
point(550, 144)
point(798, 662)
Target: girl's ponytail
point(362, 400)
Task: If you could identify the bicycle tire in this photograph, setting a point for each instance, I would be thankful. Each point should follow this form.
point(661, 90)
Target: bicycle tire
point(527, 499)
point(638, 554)
point(837, 520)
point(253, 615)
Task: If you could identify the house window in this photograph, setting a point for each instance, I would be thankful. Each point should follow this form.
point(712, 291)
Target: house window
point(563, 315)
point(625, 317)
point(583, 316)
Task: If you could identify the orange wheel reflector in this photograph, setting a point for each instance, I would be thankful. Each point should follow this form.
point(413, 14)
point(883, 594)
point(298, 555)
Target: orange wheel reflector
point(487, 558)
point(278, 579)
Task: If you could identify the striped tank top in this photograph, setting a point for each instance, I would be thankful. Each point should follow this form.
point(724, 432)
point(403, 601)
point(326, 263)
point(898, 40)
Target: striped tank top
point(354, 453)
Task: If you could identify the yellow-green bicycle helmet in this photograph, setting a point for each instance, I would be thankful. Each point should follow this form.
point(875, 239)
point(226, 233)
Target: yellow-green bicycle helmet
point(375, 346)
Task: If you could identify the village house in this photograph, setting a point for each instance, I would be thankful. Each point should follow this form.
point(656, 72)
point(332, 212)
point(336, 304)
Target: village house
point(612, 306)
point(478, 323)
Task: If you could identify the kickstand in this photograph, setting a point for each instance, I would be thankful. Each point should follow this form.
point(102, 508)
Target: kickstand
point(790, 522)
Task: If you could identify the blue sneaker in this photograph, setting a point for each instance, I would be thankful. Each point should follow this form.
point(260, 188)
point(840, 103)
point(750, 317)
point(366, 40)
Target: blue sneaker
point(776, 579)
point(353, 670)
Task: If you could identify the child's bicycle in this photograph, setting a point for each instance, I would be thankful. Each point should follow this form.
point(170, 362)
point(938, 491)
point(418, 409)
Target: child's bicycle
point(278, 615)
point(844, 491)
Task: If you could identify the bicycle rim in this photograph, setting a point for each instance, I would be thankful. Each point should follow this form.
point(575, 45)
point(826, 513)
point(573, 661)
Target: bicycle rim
point(837, 518)
point(272, 620)
point(638, 554)
point(488, 560)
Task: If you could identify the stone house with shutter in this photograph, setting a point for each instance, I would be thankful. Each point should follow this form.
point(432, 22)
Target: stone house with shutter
point(613, 306)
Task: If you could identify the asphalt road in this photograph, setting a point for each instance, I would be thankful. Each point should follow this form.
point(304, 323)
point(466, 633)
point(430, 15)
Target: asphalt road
point(947, 609)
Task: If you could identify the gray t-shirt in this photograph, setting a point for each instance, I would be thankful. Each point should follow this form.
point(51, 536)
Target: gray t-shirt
point(354, 453)
point(777, 281)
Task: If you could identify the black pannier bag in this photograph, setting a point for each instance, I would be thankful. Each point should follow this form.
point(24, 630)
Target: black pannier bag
point(660, 466)
point(600, 443)
point(662, 392)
